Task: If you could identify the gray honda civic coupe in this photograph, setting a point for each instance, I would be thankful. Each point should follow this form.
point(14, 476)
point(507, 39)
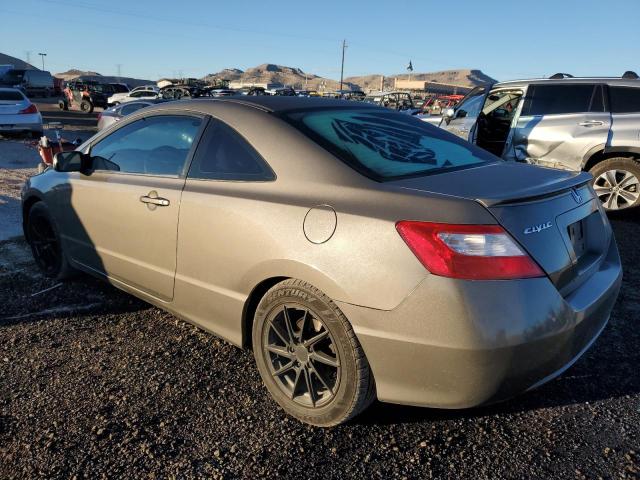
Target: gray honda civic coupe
point(359, 252)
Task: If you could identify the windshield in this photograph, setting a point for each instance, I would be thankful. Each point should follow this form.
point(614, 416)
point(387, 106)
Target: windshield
point(386, 145)
point(11, 95)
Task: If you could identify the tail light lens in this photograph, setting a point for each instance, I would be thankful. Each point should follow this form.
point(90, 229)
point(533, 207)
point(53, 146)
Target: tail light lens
point(472, 252)
point(30, 109)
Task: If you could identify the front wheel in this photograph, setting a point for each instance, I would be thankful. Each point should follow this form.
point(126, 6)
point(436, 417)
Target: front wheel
point(309, 357)
point(44, 240)
point(616, 182)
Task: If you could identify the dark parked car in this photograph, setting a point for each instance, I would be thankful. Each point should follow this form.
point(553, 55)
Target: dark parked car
point(31, 82)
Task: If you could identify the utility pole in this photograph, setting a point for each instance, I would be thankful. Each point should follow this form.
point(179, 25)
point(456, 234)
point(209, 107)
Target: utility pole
point(118, 66)
point(28, 54)
point(42, 55)
point(344, 46)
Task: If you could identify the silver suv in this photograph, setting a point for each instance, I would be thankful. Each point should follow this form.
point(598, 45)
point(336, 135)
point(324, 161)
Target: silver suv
point(590, 124)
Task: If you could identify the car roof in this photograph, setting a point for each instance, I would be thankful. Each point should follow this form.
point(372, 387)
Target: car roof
point(616, 81)
point(274, 103)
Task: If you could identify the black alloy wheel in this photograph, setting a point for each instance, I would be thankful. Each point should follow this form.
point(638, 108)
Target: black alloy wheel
point(303, 358)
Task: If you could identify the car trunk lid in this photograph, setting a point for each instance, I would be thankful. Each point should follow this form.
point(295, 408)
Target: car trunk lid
point(12, 107)
point(553, 214)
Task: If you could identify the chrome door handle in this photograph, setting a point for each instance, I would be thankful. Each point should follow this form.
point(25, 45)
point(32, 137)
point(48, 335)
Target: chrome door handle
point(591, 123)
point(159, 201)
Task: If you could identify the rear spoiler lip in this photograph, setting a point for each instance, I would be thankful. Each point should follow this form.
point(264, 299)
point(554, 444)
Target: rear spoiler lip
point(539, 192)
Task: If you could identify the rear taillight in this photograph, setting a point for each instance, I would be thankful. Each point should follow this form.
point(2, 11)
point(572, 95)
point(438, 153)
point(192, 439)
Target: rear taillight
point(473, 252)
point(30, 109)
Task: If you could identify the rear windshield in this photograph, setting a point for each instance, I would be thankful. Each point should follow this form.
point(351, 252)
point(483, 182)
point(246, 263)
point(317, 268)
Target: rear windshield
point(385, 145)
point(10, 95)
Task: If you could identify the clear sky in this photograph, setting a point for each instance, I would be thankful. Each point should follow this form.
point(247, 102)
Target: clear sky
point(151, 39)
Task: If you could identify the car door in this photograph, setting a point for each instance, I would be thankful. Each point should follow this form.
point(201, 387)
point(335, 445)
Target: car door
point(121, 218)
point(466, 113)
point(220, 215)
point(560, 123)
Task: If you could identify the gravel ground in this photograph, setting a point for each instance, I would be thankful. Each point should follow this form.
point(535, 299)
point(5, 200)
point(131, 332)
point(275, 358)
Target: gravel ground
point(97, 384)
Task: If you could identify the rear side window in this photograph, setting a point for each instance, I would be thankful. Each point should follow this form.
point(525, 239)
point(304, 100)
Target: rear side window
point(157, 145)
point(223, 154)
point(558, 99)
point(385, 145)
point(624, 99)
point(10, 96)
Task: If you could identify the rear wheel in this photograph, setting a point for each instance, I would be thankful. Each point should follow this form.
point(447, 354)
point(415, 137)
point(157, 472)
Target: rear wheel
point(616, 182)
point(309, 357)
point(44, 240)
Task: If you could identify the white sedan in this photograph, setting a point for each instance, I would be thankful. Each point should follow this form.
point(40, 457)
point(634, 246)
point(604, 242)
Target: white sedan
point(146, 92)
point(18, 114)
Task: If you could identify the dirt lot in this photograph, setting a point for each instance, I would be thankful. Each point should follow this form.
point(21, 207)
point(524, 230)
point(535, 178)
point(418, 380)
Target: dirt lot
point(96, 384)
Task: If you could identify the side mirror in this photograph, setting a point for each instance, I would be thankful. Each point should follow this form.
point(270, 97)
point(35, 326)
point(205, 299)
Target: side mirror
point(73, 161)
point(449, 113)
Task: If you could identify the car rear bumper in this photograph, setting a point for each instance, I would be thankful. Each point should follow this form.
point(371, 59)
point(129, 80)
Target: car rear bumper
point(458, 344)
point(19, 123)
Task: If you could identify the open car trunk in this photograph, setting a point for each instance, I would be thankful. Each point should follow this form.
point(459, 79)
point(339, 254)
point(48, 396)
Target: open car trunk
point(553, 214)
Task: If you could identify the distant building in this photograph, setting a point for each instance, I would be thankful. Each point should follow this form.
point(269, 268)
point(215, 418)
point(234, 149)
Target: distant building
point(434, 88)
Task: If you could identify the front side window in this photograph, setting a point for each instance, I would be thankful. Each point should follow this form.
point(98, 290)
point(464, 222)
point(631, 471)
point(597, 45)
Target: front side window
point(224, 155)
point(157, 145)
point(384, 145)
point(558, 99)
point(625, 99)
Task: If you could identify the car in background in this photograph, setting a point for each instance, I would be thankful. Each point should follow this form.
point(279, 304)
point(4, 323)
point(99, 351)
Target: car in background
point(116, 113)
point(120, 88)
point(282, 92)
point(149, 91)
point(221, 92)
point(589, 124)
point(32, 82)
point(400, 101)
point(85, 95)
point(363, 254)
point(18, 114)
point(254, 91)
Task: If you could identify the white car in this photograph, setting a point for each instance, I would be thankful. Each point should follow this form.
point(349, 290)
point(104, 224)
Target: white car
point(145, 92)
point(18, 114)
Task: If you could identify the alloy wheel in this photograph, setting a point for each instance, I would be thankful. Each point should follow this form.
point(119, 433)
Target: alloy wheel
point(302, 356)
point(617, 189)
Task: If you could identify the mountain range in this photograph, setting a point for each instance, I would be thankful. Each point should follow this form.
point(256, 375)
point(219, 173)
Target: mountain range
point(272, 73)
point(292, 76)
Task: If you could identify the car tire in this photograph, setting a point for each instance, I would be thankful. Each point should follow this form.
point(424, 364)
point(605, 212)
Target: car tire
point(86, 106)
point(617, 183)
point(44, 239)
point(309, 357)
